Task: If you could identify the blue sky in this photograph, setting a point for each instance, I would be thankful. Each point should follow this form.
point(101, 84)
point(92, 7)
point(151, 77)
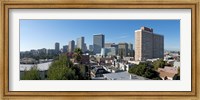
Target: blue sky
point(37, 34)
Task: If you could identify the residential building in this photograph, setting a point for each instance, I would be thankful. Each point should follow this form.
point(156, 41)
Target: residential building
point(51, 51)
point(85, 59)
point(42, 51)
point(123, 76)
point(168, 72)
point(42, 67)
point(148, 45)
point(34, 52)
point(177, 64)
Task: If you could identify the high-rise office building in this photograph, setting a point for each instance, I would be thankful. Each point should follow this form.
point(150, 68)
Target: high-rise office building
point(98, 43)
point(123, 49)
point(80, 43)
point(112, 45)
point(85, 47)
point(71, 46)
point(148, 45)
point(108, 45)
point(108, 51)
point(91, 48)
point(57, 47)
point(65, 48)
point(130, 49)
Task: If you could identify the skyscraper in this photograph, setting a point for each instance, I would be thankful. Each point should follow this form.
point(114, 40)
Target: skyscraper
point(85, 47)
point(112, 45)
point(123, 49)
point(65, 48)
point(57, 47)
point(130, 50)
point(90, 47)
point(98, 43)
point(71, 46)
point(108, 51)
point(148, 45)
point(80, 43)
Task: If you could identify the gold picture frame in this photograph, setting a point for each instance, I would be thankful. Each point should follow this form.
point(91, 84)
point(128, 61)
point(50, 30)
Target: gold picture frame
point(4, 63)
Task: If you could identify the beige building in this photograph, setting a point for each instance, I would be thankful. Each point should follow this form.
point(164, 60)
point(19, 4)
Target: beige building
point(148, 45)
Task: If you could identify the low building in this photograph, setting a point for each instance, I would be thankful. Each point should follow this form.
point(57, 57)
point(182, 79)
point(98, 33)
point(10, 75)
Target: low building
point(167, 73)
point(98, 72)
point(128, 58)
point(176, 64)
point(122, 76)
point(28, 61)
point(152, 60)
point(135, 62)
point(169, 69)
point(85, 59)
point(42, 67)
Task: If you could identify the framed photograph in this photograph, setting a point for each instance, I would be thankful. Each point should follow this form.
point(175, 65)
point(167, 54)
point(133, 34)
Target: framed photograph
point(99, 49)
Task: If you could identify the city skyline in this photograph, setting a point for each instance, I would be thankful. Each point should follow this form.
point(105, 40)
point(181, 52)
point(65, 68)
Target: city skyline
point(37, 34)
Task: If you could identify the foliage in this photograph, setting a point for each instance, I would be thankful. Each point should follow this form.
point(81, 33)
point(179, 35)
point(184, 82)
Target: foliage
point(78, 54)
point(60, 70)
point(81, 71)
point(150, 73)
point(32, 74)
point(145, 70)
point(159, 64)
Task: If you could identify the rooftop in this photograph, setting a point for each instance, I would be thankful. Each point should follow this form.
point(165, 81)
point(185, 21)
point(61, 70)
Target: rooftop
point(123, 76)
point(40, 67)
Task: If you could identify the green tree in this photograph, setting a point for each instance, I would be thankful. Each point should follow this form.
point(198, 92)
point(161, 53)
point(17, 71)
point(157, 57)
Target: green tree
point(159, 64)
point(59, 70)
point(32, 74)
point(151, 74)
point(78, 54)
point(145, 70)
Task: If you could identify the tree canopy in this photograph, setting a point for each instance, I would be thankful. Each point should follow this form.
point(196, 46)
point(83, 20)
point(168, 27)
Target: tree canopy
point(60, 70)
point(32, 74)
point(145, 70)
point(78, 54)
point(159, 64)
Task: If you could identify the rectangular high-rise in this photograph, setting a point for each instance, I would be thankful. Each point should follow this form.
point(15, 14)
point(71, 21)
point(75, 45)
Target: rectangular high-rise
point(57, 47)
point(65, 48)
point(91, 48)
point(123, 49)
point(71, 46)
point(112, 45)
point(80, 43)
point(148, 45)
point(130, 50)
point(98, 43)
